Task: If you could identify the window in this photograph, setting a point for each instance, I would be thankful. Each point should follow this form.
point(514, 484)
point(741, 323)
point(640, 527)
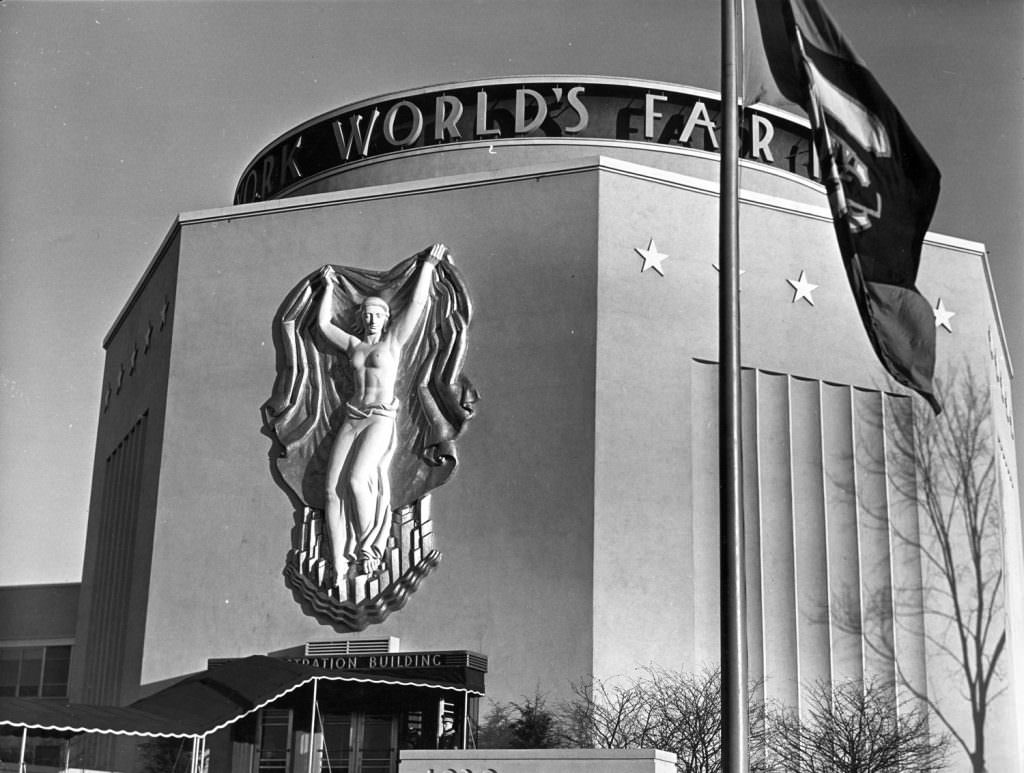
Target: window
point(31, 672)
point(56, 669)
point(35, 672)
point(10, 664)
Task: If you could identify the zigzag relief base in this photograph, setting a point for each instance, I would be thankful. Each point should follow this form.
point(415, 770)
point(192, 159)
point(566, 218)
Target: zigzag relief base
point(355, 601)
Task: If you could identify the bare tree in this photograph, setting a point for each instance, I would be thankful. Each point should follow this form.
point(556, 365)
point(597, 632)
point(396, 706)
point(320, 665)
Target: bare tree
point(605, 717)
point(663, 709)
point(853, 728)
point(945, 466)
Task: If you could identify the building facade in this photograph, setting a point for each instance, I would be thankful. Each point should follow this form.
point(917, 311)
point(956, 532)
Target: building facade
point(578, 537)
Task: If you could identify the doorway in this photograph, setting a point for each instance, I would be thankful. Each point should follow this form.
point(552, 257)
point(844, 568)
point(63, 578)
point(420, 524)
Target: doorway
point(354, 729)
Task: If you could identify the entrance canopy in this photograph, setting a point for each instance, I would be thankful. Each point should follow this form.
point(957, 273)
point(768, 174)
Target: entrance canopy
point(199, 704)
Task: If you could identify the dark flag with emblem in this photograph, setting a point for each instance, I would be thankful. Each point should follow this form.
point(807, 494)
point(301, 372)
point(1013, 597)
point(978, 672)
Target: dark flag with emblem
point(882, 184)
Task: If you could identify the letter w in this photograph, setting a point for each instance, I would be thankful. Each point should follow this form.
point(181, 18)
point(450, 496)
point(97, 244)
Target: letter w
point(356, 136)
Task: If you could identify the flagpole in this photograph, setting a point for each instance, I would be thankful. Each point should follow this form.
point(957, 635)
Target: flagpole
point(735, 727)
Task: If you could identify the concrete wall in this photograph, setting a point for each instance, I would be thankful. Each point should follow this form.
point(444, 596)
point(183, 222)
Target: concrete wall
point(113, 604)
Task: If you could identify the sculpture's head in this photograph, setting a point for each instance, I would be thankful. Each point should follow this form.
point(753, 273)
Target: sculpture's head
point(374, 315)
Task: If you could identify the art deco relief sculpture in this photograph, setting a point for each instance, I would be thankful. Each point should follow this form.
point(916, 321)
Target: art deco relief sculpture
point(368, 403)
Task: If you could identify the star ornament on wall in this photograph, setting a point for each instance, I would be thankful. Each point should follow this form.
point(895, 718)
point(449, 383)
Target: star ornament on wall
point(943, 316)
point(802, 288)
point(652, 258)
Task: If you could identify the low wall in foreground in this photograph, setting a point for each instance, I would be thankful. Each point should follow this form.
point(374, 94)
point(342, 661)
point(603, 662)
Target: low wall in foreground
point(538, 761)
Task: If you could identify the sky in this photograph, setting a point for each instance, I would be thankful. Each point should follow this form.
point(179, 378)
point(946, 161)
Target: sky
point(116, 116)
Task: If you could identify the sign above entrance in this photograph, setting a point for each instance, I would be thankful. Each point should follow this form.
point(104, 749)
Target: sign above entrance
point(391, 661)
point(566, 109)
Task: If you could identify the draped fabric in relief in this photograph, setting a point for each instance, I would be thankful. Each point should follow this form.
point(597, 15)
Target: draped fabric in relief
point(314, 381)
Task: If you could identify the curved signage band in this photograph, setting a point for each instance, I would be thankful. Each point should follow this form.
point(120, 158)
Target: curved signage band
point(551, 108)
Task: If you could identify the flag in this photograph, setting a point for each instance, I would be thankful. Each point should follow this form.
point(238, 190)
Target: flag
point(882, 184)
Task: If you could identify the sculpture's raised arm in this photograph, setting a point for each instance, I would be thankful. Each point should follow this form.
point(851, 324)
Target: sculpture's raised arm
point(341, 339)
point(405, 325)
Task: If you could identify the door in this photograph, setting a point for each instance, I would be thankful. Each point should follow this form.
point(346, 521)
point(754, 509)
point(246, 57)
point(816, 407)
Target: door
point(336, 743)
point(274, 744)
point(358, 742)
point(375, 751)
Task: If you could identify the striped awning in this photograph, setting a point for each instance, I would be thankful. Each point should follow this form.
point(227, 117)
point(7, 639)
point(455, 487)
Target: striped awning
point(199, 704)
